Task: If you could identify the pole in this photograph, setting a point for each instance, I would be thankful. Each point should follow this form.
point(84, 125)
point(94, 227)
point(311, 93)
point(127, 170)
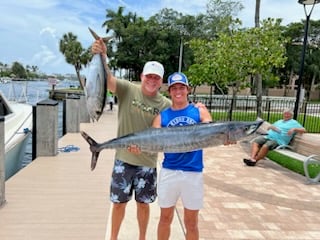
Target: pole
point(2, 164)
point(300, 81)
point(180, 55)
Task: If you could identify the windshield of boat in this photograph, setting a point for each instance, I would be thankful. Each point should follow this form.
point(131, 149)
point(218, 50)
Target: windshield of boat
point(4, 107)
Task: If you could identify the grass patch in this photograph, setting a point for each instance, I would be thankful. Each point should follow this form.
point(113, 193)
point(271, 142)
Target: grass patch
point(293, 164)
point(311, 122)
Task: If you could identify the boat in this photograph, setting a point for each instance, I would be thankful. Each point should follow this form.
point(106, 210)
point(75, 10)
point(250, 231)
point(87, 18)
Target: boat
point(18, 125)
point(5, 80)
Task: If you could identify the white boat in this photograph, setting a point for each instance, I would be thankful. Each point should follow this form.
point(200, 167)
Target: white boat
point(18, 125)
point(5, 80)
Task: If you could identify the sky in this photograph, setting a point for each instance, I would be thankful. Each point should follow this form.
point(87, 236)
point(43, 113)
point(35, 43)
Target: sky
point(30, 30)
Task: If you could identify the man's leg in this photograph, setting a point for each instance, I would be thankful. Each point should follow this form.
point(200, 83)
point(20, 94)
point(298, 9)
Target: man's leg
point(255, 148)
point(143, 211)
point(144, 195)
point(166, 217)
point(118, 212)
point(262, 153)
point(191, 223)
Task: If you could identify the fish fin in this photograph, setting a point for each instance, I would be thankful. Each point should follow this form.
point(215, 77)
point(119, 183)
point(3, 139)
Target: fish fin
point(93, 144)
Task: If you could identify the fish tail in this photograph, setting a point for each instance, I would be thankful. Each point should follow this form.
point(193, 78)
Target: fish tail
point(93, 148)
point(94, 34)
point(94, 160)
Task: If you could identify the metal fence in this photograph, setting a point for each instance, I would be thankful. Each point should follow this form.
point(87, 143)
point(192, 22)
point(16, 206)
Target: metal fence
point(225, 108)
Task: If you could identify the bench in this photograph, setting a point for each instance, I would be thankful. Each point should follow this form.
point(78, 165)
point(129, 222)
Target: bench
point(303, 147)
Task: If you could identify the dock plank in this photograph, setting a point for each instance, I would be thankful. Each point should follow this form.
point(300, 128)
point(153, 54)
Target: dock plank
point(59, 197)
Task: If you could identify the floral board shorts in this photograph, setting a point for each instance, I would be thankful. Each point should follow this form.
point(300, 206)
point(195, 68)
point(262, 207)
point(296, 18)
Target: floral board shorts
point(127, 178)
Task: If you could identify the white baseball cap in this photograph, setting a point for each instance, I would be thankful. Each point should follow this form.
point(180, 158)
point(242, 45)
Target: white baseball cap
point(153, 67)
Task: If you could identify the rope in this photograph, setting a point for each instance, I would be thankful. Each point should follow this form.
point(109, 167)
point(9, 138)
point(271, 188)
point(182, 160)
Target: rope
point(25, 131)
point(69, 148)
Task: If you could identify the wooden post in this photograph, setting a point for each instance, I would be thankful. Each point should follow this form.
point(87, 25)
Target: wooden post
point(84, 114)
point(2, 164)
point(72, 118)
point(47, 128)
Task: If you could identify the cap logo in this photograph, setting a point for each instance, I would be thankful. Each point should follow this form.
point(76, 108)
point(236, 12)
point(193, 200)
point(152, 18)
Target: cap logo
point(177, 77)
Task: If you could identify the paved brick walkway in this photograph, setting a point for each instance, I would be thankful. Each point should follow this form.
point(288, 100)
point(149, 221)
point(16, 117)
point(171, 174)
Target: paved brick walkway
point(262, 202)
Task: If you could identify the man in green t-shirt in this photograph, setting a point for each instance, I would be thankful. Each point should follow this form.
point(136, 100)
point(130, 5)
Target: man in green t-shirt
point(137, 107)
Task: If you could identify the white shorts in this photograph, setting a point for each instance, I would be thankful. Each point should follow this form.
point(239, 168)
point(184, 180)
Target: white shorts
point(173, 184)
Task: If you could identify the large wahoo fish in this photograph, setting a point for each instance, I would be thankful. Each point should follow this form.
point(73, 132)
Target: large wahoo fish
point(177, 139)
point(96, 84)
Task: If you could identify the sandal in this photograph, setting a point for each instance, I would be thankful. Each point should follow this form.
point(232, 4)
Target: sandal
point(249, 162)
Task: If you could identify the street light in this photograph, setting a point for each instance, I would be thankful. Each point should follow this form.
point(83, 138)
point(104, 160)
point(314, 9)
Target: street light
point(306, 27)
point(180, 54)
point(183, 33)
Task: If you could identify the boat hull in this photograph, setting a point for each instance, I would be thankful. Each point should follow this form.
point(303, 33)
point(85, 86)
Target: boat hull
point(18, 124)
point(14, 157)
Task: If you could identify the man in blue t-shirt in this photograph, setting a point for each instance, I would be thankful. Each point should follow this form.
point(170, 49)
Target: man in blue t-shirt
point(279, 133)
point(181, 173)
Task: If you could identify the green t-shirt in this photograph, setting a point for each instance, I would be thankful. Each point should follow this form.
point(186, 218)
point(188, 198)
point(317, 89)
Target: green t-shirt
point(136, 112)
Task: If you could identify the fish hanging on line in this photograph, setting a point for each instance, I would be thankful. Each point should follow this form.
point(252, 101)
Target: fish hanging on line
point(177, 139)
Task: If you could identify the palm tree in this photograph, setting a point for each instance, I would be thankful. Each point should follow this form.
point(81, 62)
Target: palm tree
point(34, 68)
point(74, 54)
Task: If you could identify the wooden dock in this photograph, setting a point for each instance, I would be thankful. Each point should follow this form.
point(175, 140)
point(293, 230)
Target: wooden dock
point(61, 198)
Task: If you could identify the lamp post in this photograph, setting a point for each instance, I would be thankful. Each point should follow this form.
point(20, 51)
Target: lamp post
point(180, 54)
point(306, 27)
point(183, 34)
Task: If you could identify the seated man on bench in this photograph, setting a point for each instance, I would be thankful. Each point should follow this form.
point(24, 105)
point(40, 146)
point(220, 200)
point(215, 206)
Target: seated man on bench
point(279, 133)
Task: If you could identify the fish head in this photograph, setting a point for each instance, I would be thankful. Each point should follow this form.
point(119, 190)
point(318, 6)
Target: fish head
point(252, 127)
point(240, 130)
point(95, 108)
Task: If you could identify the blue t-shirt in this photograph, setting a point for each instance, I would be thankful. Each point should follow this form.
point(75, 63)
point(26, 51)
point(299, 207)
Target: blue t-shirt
point(189, 161)
point(282, 138)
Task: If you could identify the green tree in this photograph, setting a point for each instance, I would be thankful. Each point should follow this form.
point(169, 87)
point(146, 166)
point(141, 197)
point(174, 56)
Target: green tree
point(158, 38)
point(312, 57)
point(230, 59)
point(74, 54)
point(221, 16)
point(163, 36)
point(124, 51)
point(18, 70)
